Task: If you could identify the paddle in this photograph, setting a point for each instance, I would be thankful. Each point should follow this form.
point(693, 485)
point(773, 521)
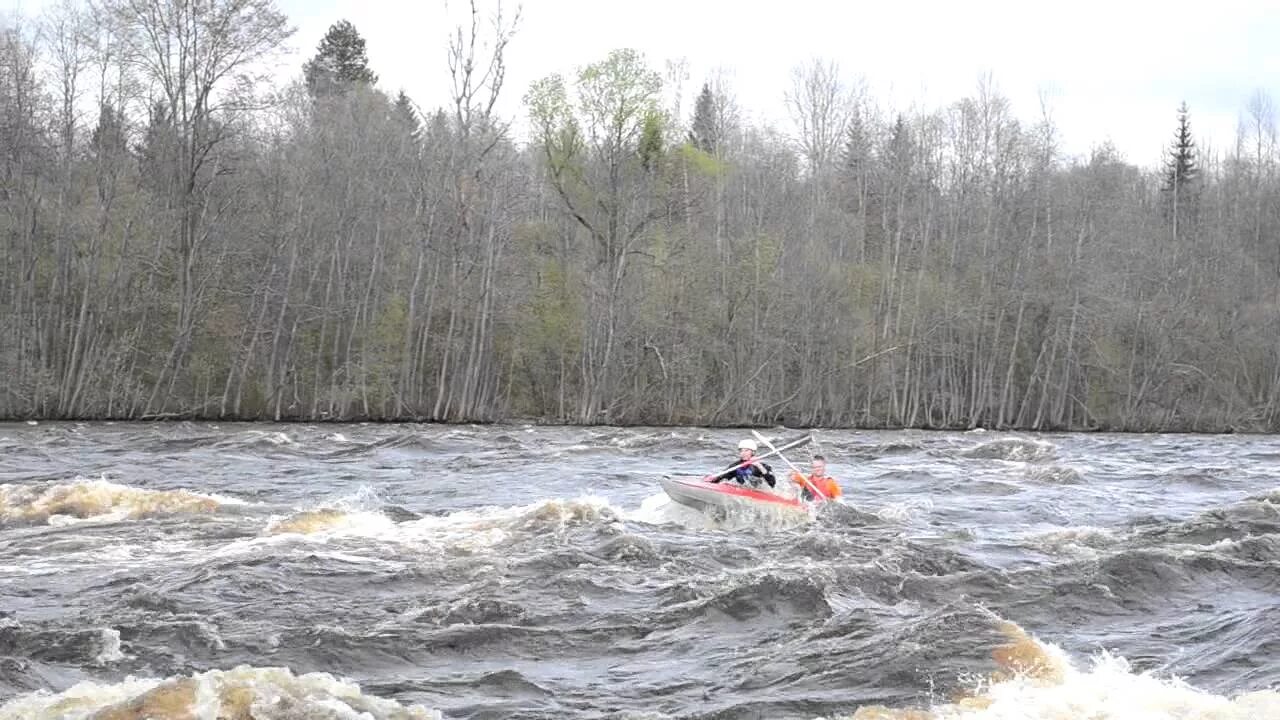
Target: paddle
point(776, 451)
point(794, 469)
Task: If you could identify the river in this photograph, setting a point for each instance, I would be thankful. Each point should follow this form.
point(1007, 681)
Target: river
point(388, 571)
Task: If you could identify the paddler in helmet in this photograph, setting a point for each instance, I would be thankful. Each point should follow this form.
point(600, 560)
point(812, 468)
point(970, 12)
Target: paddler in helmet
point(747, 471)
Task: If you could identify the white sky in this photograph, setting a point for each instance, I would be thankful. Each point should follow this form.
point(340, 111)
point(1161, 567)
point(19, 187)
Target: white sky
point(1113, 69)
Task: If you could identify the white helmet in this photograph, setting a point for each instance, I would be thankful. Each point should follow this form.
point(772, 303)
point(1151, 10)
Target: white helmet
point(747, 445)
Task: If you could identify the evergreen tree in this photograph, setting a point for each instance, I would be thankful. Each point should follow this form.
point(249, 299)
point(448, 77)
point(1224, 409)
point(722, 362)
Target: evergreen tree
point(158, 156)
point(900, 154)
point(857, 149)
point(1180, 170)
point(439, 129)
point(108, 140)
point(340, 61)
point(108, 149)
point(856, 161)
point(704, 134)
point(650, 149)
point(406, 115)
point(1180, 175)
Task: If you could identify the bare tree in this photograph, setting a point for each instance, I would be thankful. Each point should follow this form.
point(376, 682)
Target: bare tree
point(1258, 131)
point(191, 53)
point(172, 246)
point(820, 103)
point(477, 68)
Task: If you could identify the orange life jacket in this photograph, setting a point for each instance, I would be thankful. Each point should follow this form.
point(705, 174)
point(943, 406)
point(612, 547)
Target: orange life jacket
point(826, 485)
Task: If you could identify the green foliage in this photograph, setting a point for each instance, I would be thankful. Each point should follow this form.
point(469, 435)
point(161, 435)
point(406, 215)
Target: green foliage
point(602, 141)
point(385, 350)
point(619, 94)
point(108, 140)
point(701, 162)
point(766, 252)
point(388, 329)
point(612, 113)
point(557, 127)
point(650, 150)
point(705, 133)
point(550, 314)
point(865, 283)
point(557, 310)
point(340, 61)
point(159, 150)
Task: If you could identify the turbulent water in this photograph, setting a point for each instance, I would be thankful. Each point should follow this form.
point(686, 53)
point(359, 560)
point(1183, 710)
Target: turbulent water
point(202, 571)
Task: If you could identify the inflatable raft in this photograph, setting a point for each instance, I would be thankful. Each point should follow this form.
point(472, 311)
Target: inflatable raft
point(724, 496)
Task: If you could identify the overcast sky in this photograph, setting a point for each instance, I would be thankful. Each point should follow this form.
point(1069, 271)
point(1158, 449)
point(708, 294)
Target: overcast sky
point(1112, 69)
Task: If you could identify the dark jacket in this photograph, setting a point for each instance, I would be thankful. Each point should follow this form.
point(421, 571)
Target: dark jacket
point(749, 475)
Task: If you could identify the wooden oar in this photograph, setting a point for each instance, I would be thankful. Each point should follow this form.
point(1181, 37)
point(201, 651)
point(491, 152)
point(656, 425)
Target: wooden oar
point(775, 451)
point(794, 469)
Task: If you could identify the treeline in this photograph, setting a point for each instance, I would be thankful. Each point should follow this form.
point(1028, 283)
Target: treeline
point(201, 243)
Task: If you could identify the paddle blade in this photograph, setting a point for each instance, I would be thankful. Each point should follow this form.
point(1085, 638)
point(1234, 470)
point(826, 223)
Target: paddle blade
point(780, 445)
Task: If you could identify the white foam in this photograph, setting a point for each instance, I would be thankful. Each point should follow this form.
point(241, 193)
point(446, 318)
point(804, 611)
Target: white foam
point(111, 647)
point(357, 522)
point(273, 694)
point(1082, 541)
point(1111, 691)
point(660, 509)
point(477, 530)
point(1107, 690)
point(1014, 449)
point(903, 511)
point(275, 438)
point(485, 528)
point(117, 556)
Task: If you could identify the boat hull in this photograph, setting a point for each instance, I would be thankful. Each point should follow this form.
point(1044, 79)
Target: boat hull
point(726, 496)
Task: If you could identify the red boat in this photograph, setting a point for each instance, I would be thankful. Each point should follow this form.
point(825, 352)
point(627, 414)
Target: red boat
point(702, 495)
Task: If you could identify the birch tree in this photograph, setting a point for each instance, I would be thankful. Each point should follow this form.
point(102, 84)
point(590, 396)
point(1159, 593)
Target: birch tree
point(191, 53)
point(597, 137)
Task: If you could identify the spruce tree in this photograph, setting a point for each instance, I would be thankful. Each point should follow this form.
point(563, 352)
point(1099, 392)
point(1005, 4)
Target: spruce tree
point(855, 161)
point(1180, 176)
point(108, 148)
point(157, 152)
point(901, 149)
point(438, 129)
point(650, 149)
point(857, 147)
point(108, 140)
point(1180, 170)
point(340, 61)
point(704, 134)
point(407, 116)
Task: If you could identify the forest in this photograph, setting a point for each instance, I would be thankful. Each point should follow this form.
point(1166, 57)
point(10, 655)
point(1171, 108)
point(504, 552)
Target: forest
point(185, 237)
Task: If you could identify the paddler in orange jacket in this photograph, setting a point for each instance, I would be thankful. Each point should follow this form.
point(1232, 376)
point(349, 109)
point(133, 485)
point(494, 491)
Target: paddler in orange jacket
point(818, 478)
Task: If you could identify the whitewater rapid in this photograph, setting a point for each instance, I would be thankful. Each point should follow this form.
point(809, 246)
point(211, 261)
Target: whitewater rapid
point(193, 570)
